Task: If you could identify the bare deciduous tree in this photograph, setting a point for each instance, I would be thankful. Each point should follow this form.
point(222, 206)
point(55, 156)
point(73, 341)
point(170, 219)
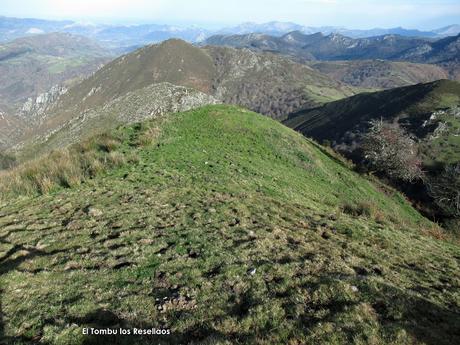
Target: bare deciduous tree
point(389, 149)
point(445, 190)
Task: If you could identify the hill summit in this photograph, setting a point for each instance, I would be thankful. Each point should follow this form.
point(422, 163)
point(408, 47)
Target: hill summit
point(222, 226)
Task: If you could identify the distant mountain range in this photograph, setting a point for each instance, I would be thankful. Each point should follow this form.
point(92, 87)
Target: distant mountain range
point(126, 36)
point(281, 28)
point(301, 47)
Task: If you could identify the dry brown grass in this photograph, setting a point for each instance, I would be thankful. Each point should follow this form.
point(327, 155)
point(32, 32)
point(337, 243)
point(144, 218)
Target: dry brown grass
point(366, 209)
point(64, 168)
point(363, 208)
point(439, 233)
point(149, 136)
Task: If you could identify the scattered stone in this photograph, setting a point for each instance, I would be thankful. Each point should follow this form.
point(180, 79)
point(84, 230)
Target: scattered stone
point(115, 225)
point(193, 254)
point(73, 225)
point(93, 212)
point(146, 241)
point(234, 222)
point(40, 245)
point(354, 288)
point(72, 265)
point(252, 271)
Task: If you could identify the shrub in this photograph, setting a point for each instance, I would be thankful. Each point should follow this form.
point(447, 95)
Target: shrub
point(390, 150)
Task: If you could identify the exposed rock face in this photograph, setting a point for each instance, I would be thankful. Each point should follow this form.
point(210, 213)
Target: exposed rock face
point(34, 108)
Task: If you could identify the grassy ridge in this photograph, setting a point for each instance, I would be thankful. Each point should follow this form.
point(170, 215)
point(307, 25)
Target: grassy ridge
point(229, 228)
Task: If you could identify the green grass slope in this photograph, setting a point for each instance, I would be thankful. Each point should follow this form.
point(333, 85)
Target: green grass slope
point(226, 227)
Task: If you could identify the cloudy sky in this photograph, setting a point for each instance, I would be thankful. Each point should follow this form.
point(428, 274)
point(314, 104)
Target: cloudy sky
point(423, 14)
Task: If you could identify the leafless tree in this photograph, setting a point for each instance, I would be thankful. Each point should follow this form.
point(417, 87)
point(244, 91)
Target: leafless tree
point(389, 149)
point(445, 189)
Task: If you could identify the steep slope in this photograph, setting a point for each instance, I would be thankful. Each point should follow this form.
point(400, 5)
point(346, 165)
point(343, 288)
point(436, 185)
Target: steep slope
point(34, 71)
point(269, 84)
point(415, 107)
point(224, 227)
point(10, 127)
point(429, 112)
point(450, 30)
point(380, 74)
point(444, 52)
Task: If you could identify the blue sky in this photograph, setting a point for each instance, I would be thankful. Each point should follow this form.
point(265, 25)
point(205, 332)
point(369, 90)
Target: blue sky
point(423, 14)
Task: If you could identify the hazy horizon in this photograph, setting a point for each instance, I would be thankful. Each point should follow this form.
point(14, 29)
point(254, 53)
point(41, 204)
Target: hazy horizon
point(368, 14)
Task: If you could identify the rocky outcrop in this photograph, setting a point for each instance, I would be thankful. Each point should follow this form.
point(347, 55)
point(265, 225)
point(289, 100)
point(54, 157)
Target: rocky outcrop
point(146, 103)
point(34, 109)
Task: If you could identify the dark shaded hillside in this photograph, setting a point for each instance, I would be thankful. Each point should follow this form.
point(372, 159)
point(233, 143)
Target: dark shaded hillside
point(225, 227)
point(342, 122)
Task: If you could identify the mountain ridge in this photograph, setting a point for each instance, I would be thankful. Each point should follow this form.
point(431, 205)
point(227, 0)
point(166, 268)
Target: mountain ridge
point(270, 84)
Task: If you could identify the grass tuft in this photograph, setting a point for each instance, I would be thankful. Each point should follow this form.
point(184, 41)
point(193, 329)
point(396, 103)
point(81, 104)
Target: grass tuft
point(63, 168)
